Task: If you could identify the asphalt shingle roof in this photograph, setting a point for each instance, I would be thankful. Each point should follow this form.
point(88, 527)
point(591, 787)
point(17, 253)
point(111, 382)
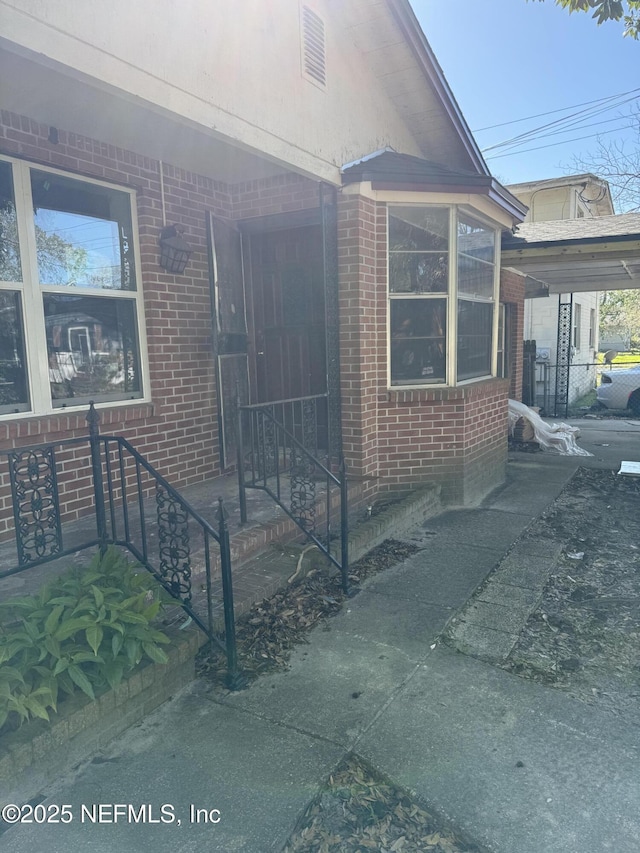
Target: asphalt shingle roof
point(404, 168)
point(618, 227)
point(390, 169)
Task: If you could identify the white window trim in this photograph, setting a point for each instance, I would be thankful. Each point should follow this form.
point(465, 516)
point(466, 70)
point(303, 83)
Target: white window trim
point(451, 296)
point(32, 304)
point(577, 326)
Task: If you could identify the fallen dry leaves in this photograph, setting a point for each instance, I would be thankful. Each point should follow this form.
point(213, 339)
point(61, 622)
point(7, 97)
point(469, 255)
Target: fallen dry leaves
point(359, 811)
point(268, 633)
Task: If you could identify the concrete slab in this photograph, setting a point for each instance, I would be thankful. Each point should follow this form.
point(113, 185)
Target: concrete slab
point(610, 441)
point(485, 643)
point(401, 623)
point(333, 690)
point(517, 766)
point(443, 574)
point(524, 570)
point(499, 617)
point(506, 595)
point(192, 751)
point(477, 527)
point(534, 546)
point(532, 485)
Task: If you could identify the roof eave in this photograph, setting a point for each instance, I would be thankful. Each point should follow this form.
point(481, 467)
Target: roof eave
point(509, 246)
point(487, 187)
point(507, 200)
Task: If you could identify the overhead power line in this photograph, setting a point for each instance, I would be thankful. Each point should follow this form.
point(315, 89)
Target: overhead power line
point(574, 121)
point(552, 112)
point(553, 144)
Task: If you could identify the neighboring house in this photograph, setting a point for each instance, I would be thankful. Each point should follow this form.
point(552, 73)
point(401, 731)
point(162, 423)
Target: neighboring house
point(332, 198)
point(570, 197)
point(618, 341)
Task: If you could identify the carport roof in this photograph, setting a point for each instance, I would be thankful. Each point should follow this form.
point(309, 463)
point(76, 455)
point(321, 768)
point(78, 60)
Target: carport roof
point(599, 253)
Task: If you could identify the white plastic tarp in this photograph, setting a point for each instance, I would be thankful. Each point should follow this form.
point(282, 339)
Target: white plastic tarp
point(560, 438)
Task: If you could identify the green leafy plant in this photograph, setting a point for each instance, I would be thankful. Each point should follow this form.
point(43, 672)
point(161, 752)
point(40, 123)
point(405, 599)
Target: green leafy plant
point(85, 630)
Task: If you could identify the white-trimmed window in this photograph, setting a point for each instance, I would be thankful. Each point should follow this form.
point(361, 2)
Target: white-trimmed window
point(577, 326)
point(70, 305)
point(504, 340)
point(443, 285)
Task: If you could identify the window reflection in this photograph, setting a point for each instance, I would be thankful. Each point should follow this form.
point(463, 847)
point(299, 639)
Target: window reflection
point(418, 229)
point(475, 239)
point(475, 278)
point(414, 272)
point(83, 234)
point(92, 348)
point(14, 388)
point(9, 249)
point(418, 341)
point(475, 324)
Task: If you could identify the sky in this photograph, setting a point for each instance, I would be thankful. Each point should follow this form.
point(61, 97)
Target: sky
point(512, 59)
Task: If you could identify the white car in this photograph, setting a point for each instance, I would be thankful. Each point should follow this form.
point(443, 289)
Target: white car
point(620, 389)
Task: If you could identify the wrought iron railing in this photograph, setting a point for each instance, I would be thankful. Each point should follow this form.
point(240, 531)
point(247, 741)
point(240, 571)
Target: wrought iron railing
point(284, 451)
point(135, 508)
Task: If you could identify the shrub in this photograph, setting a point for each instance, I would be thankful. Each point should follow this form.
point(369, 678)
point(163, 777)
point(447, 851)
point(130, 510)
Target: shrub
point(84, 630)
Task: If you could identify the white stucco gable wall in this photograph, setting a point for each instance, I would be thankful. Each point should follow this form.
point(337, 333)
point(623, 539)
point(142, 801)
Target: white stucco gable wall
point(233, 68)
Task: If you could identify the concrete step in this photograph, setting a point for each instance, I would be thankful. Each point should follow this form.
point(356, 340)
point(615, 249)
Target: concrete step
point(389, 516)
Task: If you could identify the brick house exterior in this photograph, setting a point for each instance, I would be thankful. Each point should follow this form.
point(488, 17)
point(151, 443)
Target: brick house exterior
point(450, 433)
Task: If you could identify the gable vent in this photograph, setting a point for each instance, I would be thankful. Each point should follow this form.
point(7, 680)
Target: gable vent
point(313, 46)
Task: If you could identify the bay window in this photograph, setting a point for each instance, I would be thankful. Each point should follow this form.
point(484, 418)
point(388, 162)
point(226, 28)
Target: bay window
point(442, 295)
point(70, 306)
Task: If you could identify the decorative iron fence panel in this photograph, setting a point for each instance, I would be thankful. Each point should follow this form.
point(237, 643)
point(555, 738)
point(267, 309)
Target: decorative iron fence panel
point(134, 508)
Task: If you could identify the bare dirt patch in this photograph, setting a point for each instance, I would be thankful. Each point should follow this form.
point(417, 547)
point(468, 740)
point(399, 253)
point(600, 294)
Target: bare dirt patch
point(584, 637)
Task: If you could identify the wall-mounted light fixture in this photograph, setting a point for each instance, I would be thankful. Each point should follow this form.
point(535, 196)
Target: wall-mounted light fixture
point(174, 250)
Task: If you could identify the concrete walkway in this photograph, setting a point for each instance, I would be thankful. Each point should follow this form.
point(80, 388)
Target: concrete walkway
point(519, 767)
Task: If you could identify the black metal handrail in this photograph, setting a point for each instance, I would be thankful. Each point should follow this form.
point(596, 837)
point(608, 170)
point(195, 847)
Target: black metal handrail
point(281, 448)
point(122, 480)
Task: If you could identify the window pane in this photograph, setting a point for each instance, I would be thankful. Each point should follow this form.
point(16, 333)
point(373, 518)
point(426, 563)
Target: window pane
point(83, 233)
point(475, 278)
point(418, 249)
point(475, 239)
point(92, 348)
point(9, 249)
point(475, 320)
point(418, 273)
point(418, 341)
point(14, 388)
point(418, 229)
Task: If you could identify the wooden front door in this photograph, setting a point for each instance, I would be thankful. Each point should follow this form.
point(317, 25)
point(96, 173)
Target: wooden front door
point(286, 308)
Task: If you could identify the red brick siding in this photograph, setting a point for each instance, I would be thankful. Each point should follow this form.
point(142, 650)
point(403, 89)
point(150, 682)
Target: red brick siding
point(453, 436)
point(178, 431)
point(281, 194)
point(362, 275)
